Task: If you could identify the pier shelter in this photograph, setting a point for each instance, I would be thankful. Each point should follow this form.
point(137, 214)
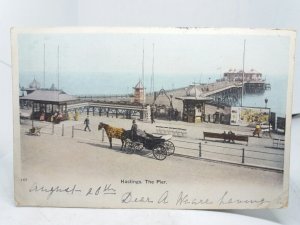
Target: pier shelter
point(193, 105)
point(46, 103)
point(193, 109)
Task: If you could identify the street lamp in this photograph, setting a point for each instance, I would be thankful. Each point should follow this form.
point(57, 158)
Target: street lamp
point(266, 102)
point(171, 101)
point(269, 118)
point(170, 110)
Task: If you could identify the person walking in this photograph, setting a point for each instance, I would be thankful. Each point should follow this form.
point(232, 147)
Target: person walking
point(134, 130)
point(87, 124)
point(176, 114)
point(152, 116)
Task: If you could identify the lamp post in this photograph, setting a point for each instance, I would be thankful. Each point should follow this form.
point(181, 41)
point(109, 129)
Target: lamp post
point(171, 101)
point(171, 107)
point(266, 102)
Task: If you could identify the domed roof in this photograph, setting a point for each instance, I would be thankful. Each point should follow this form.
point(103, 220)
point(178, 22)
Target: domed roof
point(193, 91)
point(35, 84)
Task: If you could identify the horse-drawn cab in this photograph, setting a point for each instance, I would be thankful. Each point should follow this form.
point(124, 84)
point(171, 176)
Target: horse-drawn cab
point(161, 146)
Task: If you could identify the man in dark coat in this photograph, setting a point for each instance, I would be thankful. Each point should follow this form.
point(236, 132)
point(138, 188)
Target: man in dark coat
point(152, 116)
point(134, 130)
point(87, 124)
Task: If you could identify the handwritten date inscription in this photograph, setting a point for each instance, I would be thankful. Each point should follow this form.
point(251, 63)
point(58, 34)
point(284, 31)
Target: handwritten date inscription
point(106, 189)
point(55, 189)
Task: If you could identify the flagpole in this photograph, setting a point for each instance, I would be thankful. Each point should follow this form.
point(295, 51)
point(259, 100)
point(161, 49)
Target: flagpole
point(143, 74)
point(44, 66)
point(58, 67)
point(243, 72)
point(152, 75)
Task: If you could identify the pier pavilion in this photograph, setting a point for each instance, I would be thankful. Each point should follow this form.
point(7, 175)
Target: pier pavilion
point(33, 86)
point(46, 103)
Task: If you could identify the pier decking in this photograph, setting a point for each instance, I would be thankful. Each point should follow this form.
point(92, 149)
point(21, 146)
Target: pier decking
point(109, 108)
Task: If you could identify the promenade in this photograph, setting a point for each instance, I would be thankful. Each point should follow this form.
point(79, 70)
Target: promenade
point(86, 159)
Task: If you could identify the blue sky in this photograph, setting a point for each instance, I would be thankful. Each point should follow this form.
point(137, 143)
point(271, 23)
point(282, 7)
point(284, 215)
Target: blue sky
point(178, 54)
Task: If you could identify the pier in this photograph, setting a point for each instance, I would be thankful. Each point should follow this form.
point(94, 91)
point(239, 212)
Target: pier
point(198, 102)
point(103, 108)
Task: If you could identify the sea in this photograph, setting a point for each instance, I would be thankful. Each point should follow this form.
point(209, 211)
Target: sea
point(93, 84)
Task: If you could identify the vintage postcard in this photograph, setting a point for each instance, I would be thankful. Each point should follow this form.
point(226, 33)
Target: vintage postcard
point(178, 118)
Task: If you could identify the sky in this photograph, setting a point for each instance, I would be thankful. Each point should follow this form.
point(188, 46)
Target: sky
point(178, 54)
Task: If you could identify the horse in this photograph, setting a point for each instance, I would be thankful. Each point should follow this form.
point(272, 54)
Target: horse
point(113, 132)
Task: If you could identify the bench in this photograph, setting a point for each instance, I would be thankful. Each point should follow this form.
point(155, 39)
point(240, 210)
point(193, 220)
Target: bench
point(181, 131)
point(226, 137)
point(171, 130)
point(162, 130)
